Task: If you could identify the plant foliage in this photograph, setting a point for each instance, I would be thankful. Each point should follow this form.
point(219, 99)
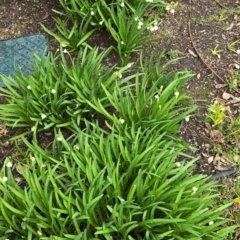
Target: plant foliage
point(112, 170)
point(109, 187)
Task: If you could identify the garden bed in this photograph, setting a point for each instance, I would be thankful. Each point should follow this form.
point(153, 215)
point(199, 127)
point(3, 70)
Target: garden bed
point(205, 36)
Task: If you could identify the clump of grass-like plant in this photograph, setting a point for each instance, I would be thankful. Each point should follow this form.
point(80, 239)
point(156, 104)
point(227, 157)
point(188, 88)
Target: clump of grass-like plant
point(57, 92)
point(99, 186)
point(148, 103)
point(125, 21)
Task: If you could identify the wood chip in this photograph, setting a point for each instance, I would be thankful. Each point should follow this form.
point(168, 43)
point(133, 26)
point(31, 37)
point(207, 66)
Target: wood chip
point(192, 53)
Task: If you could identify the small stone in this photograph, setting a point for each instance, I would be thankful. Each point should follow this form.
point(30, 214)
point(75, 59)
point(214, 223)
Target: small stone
point(226, 96)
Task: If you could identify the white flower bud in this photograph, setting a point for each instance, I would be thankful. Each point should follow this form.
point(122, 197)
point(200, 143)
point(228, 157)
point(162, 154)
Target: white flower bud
point(59, 138)
point(194, 189)
point(122, 121)
point(176, 94)
point(5, 178)
point(9, 164)
point(178, 164)
point(43, 116)
point(187, 118)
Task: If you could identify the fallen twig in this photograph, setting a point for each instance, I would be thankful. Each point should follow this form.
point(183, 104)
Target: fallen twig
point(199, 55)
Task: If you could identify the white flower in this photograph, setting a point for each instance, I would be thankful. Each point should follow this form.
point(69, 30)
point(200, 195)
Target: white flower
point(139, 24)
point(149, 1)
point(178, 164)
point(129, 65)
point(172, 11)
point(29, 87)
point(5, 178)
point(122, 4)
point(156, 96)
point(211, 223)
point(238, 51)
point(101, 23)
point(92, 13)
point(167, 8)
point(122, 121)
point(9, 164)
point(33, 129)
point(53, 91)
point(65, 50)
point(76, 147)
point(43, 116)
point(152, 29)
point(136, 18)
point(187, 118)
point(59, 138)
point(194, 189)
point(122, 42)
point(176, 94)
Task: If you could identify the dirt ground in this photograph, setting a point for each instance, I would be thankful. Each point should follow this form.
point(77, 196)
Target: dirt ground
point(196, 28)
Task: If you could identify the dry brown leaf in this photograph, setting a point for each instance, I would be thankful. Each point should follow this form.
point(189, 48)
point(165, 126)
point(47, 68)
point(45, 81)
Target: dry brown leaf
point(228, 109)
point(234, 101)
point(20, 168)
point(221, 167)
point(3, 130)
point(225, 158)
point(230, 27)
point(210, 159)
point(216, 136)
point(221, 163)
point(219, 100)
point(218, 86)
point(217, 158)
point(18, 179)
point(205, 154)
